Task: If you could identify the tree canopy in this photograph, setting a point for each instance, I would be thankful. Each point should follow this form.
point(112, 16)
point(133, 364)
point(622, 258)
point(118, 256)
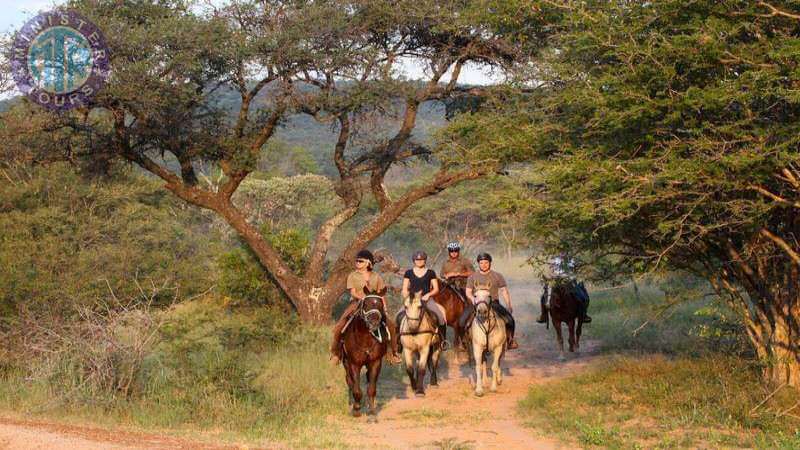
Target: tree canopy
point(666, 134)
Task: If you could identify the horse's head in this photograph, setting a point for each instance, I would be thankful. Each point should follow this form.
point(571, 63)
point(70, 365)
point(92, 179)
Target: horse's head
point(372, 307)
point(483, 297)
point(413, 305)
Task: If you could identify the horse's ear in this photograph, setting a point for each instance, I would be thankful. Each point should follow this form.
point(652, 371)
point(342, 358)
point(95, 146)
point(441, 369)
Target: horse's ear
point(367, 291)
point(382, 292)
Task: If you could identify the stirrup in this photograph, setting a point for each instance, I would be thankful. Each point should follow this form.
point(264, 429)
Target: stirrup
point(445, 345)
point(541, 319)
point(394, 359)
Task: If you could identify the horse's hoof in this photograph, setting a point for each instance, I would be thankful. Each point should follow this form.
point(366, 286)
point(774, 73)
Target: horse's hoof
point(493, 389)
point(372, 419)
point(479, 393)
point(419, 394)
point(356, 413)
point(562, 358)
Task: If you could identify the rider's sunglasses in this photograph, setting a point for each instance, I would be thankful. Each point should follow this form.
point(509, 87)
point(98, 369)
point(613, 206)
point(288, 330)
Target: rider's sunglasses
point(361, 260)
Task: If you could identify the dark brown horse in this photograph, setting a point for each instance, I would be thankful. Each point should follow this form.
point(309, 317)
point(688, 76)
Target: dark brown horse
point(565, 307)
point(453, 305)
point(364, 343)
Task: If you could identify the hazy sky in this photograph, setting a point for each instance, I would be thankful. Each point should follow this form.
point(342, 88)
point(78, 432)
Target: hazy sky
point(14, 13)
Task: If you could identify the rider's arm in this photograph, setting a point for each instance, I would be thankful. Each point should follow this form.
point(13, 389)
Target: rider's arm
point(469, 295)
point(434, 288)
point(506, 298)
point(406, 286)
point(354, 293)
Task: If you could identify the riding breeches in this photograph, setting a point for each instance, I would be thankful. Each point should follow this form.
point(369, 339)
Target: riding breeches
point(435, 308)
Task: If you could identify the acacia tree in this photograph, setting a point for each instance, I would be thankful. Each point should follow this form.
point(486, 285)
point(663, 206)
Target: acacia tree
point(333, 60)
point(668, 136)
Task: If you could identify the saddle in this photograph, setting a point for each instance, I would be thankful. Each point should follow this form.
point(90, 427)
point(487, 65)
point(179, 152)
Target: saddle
point(458, 292)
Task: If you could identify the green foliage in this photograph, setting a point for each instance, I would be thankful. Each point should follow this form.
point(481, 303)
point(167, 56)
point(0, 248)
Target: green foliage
point(69, 241)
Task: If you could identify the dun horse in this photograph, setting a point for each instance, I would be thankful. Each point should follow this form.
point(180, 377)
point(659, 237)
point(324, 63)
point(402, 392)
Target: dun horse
point(488, 334)
point(419, 336)
point(453, 306)
point(565, 307)
point(364, 344)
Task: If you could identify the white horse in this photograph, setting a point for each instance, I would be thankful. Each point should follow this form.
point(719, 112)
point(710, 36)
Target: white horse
point(418, 334)
point(488, 334)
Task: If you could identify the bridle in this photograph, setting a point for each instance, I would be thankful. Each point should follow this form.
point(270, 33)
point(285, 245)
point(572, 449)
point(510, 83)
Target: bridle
point(366, 314)
point(418, 320)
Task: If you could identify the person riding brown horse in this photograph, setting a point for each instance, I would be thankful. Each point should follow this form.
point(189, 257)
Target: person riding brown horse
point(357, 282)
point(364, 344)
point(562, 270)
point(455, 269)
point(566, 307)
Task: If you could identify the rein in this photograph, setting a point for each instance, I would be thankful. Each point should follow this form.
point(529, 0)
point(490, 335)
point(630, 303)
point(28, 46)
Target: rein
point(489, 316)
point(422, 315)
point(363, 315)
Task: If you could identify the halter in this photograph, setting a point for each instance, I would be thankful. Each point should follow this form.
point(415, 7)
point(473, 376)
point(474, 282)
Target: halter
point(364, 315)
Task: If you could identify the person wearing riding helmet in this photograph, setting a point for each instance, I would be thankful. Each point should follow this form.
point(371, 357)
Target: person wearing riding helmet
point(498, 288)
point(455, 265)
point(423, 280)
point(362, 277)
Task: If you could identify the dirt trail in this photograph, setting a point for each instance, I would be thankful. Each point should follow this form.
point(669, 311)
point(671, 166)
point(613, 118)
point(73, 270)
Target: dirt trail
point(19, 433)
point(451, 416)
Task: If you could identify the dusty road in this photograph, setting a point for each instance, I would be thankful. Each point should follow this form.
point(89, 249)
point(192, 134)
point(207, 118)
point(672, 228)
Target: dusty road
point(451, 416)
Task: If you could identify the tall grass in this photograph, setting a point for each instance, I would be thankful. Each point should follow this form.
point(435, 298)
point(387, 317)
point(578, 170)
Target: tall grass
point(253, 375)
point(677, 378)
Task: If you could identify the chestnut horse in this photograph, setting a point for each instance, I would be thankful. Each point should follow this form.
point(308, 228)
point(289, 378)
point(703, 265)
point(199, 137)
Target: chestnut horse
point(565, 307)
point(448, 296)
point(364, 342)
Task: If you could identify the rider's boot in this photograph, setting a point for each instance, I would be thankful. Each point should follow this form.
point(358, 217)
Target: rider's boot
point(544, 315)
point(336, 345)
point(511, 343)
point(391, 354)
point(444, 344)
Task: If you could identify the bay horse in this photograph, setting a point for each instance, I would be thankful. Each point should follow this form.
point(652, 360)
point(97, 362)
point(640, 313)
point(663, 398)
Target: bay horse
point(565, 307)
point(488, 334)
point(450, 299)
point(419, 336)
point(364, 344)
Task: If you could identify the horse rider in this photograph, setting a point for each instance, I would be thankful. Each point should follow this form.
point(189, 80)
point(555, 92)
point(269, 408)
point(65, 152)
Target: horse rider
point(363, 276)
point(562, 270)
point(456, 266)
point(423, 280)
point(497, 288)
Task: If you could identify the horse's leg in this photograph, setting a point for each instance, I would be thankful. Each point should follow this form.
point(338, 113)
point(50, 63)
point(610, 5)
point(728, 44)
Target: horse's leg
point(348, 379)
point(477, 353)
point(408, 358)
point(457, 341)
point(355, 376)
point(433, 366)
point(571, 326)
point(485, 366)
point(496, 355)
point(578, 333)
point(560, 337)
point(424, 353)
point(373, 370)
